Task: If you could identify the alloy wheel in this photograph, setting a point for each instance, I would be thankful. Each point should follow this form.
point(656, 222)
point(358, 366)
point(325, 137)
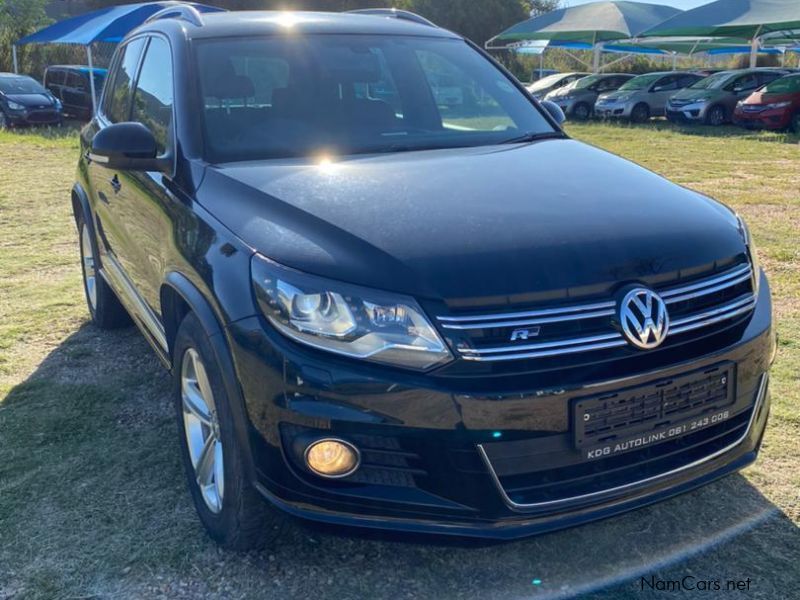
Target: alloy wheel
point(201, 428)
point(716, 116)
point(582, 112)
point(89, 267)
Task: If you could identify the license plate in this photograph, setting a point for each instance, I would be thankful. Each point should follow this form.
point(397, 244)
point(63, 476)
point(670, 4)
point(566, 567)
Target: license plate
point(634, 418)
point(643, 440)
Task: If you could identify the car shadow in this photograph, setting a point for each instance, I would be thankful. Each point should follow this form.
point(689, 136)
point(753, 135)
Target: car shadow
point(94, 502)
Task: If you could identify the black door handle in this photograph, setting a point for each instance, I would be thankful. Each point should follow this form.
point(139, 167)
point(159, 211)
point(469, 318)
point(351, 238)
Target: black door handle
point(115, 184)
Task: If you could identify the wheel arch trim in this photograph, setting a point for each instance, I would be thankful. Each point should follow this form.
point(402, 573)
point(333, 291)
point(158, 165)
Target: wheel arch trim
point(201, 307)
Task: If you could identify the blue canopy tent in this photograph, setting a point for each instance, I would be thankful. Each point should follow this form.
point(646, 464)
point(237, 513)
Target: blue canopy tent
point(104, 25)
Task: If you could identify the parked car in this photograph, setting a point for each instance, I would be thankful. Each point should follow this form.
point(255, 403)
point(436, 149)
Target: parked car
point(540, 88)
point(577, 99)
point(71, 85)
point(375, 315)
point(643, 97)
point(774, 106)
point(712, 100)
point(23, 101)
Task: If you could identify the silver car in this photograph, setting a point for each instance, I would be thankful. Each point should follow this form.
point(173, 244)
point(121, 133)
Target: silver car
point(643, 97)
point(577, 99)
point(540, 88)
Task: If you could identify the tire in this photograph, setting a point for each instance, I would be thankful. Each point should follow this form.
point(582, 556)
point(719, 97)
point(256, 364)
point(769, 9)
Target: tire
point(4, 124)
point(234, 514)
point(640, 113)
point(105, 308)
point(794, 125)
point(716, 116)
point(582, 111)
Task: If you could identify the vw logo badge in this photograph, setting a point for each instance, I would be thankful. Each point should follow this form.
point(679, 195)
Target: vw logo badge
point(644, 318)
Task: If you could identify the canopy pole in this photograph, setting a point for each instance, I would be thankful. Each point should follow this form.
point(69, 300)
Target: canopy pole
point(597, 54)
point(91, 78)
point(14, 54)
point(541, 63)
point(754, 43)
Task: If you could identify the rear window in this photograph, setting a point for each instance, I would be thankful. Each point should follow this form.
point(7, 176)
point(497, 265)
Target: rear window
point(347, 94)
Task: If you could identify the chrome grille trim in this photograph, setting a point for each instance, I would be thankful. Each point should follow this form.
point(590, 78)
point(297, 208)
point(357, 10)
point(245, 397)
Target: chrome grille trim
point(601, 341)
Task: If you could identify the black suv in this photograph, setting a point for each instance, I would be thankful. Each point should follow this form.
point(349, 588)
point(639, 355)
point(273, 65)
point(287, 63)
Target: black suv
point(387, 296)
point(72, 86)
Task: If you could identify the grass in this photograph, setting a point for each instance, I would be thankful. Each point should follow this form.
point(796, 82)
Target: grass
point(92, 501)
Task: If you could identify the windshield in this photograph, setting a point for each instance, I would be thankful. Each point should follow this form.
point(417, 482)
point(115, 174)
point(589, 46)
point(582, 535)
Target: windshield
point(546, 82)
point(784, 85)
point(717, 80)
point(20, 85)
point(275, 97)
point(639, 83)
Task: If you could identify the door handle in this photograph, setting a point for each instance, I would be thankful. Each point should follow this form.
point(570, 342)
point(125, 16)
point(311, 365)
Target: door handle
point(115, 184)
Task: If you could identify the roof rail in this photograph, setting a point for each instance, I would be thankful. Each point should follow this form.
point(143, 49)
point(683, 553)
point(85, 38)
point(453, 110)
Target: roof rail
point(187, 12)
point(394, 13)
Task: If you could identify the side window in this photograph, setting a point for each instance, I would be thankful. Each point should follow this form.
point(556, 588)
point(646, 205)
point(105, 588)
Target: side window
point(687, 80)
point(152, 101)
point(745, 83)
point(54, 76)
point(75, 81)
point(767, 76)
point(666, 84)
point(118, 99)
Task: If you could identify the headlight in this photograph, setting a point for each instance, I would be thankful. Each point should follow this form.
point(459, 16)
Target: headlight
point(751, 252)
point(15, 105)
point(779, 104)
point(346, 319)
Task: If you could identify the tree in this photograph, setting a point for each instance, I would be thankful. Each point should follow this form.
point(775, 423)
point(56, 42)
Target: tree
point(18, 18)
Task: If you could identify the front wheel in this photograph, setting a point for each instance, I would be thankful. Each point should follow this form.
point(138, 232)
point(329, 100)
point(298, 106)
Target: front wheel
point(582, 111)
point(4, 123)
point(795, 123)
point(715, 116)
point(232, 511)
point(640, 113)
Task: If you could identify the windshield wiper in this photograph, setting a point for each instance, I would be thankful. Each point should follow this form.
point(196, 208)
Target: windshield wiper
point(532, 136)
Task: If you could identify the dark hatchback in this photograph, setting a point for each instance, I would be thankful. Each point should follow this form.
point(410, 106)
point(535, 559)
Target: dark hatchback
point(24, 101)
point(386, 310)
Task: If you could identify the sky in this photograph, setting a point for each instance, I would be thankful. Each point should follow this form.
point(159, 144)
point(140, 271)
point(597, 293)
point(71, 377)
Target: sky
point(682, 4)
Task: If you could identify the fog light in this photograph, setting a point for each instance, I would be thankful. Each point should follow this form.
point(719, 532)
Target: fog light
point(332, 458)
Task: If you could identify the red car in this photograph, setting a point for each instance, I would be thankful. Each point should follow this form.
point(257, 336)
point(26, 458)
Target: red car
point(774, 106)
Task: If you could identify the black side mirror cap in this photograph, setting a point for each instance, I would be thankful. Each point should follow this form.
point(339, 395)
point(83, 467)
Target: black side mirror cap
point(554, 110)
point(127, 147)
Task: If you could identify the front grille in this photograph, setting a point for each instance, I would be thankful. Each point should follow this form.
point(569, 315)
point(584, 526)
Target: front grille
point(574, 329)
point(678, 103)
point(42, 117)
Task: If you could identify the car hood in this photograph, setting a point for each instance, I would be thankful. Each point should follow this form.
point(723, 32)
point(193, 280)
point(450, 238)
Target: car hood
point(618, 94)
point(30, 100)
point(552, 218)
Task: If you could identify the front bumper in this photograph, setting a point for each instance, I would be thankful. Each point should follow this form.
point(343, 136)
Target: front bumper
point(687, 113)
point(776, 118)
point(34, 117)
point(437, 457)
point(613, 109)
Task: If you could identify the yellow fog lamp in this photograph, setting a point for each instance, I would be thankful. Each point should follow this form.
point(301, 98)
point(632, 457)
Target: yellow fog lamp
point(332, 458)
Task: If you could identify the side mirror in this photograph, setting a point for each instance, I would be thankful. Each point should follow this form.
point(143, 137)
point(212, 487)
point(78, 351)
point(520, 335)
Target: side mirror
point(127, 147)
point(554, 110)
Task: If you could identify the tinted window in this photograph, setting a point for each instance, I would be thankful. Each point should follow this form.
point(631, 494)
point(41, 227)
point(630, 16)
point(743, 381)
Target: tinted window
point(351, 94)
point(152, 103)
point(75, 81)
point(668, 83)
point(118, 100)
point(687, 80)
point(744, 83)
point(768, 76)
point(784, 85)
point(54, 77)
